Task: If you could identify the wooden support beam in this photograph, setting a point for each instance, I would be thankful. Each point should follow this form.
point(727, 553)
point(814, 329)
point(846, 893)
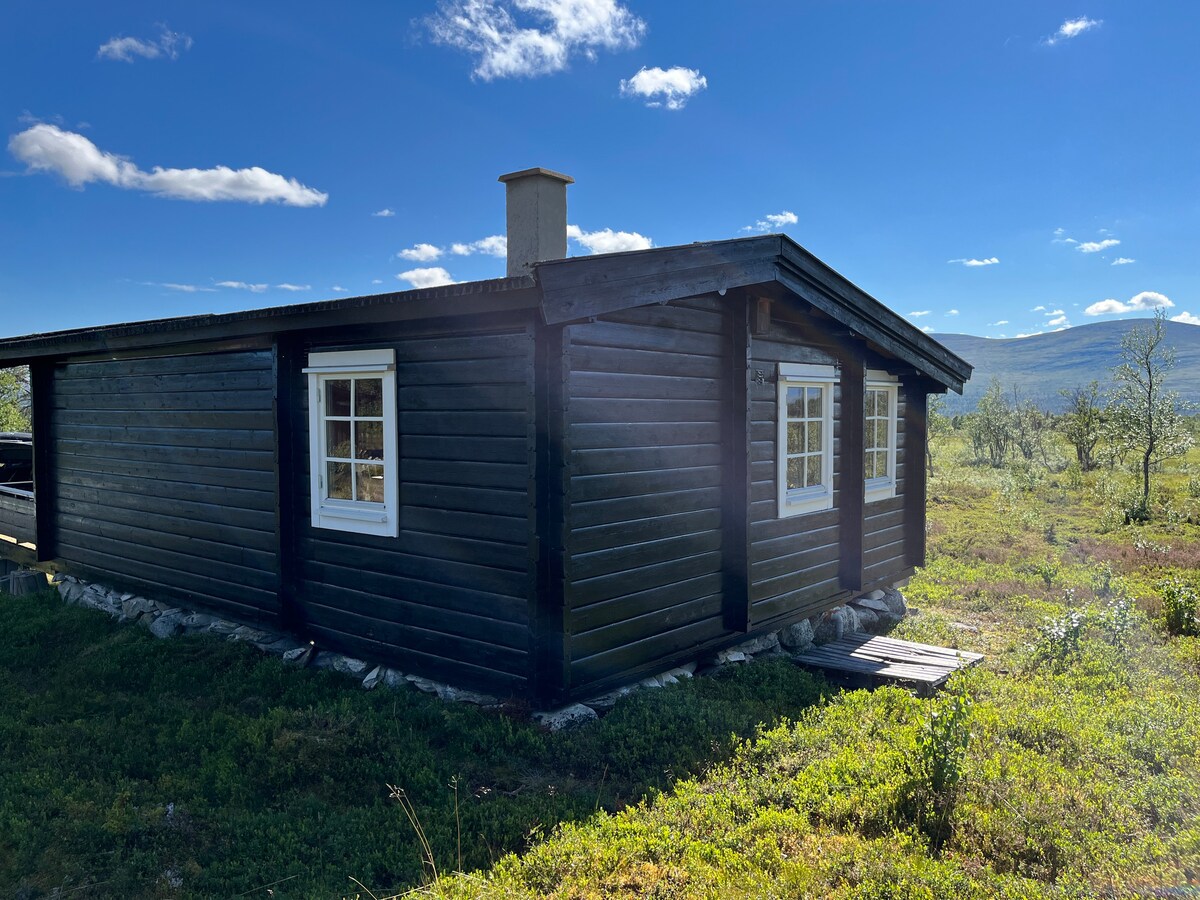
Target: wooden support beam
point(762, 316)
point(916, 436)
point(550, 678)
point(41, 396)
point(852, 488)
point(735, 439)
point(289, 429)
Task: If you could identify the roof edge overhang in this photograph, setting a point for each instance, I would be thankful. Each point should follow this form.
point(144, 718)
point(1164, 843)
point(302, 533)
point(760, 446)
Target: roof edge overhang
point(466, 299)
point(582, 288)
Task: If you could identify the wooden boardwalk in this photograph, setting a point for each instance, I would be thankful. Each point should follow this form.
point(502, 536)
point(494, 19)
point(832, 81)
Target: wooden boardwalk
point(867, 660)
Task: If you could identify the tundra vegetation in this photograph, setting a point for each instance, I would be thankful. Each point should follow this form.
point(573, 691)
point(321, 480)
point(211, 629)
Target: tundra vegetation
point(1065, 766)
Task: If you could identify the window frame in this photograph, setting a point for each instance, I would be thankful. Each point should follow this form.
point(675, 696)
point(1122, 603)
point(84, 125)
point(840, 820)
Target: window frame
point(799, 501)
point(881, 487)
point(357, 516)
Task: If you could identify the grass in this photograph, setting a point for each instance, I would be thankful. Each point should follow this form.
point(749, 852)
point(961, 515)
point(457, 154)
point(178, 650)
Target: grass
point(131, 764)
point(1066, 766)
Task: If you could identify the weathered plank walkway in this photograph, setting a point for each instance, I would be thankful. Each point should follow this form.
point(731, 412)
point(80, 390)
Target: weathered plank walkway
point(867, 660)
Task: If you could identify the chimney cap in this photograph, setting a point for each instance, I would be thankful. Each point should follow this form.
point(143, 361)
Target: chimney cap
point(537, 170)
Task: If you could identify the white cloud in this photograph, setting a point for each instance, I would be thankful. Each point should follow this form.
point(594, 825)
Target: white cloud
point(774, 221)
point(927, 328)
point(243, 286)
point(1186, 318)
point(182, 288)
point(952, 312)
point(608, 241)
point(384, 213)
point(339, 289)
point(427, 278)
point(1038, 309)
point(1072, 28)
point(990, 261)
point(1054, 312)
point(557, 29)
point(1060, 239)
point(294, 287)
point(998, 323)
point(1097, 246)
point(168, 44)
point(376, 281)
point(421, 253)
point(1123, 261)
point(1137, 303)
point(493, 245)
point(1030, 334)
point(47, 148)
point(668, 88)
point(918, 313)
point(1058, 321)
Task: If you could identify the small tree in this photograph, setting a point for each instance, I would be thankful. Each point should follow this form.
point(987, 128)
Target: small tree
point(937, 425)
point(1143, 415)
point(990, 426)
point(1030, 425)
point(14, 399)
point(1082, 423)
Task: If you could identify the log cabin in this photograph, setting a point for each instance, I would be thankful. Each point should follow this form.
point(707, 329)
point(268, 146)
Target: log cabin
point(542, 485)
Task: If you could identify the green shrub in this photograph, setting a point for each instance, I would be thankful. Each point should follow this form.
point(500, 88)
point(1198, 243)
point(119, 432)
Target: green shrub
point(1181, 605)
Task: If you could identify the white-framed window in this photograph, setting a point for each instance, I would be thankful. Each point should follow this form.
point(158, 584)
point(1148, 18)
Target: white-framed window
point(352, 441)
point(880, 392)
point(804, 457)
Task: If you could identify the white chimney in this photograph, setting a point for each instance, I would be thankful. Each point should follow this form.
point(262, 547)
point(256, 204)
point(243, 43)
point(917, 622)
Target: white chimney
point(536, 215)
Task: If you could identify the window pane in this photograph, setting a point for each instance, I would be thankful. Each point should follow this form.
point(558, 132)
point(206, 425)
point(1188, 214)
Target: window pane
point(814, 470)
point(869, 402)
point(795, 473)
point(868, 465)
point(814, 403)
point(368, 440)
point(337, 438)
point(881, 433)
point(369, 483)
point(795, 403)
point(337, 397)
point(368, 396)
point(337, 481)
point(814, 437)
point(882, 402)
point(795, 437)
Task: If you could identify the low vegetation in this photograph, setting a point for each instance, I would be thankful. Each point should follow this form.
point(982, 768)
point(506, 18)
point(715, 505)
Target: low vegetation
point(1067, 765)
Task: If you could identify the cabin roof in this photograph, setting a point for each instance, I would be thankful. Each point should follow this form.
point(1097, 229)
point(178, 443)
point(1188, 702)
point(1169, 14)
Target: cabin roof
point(565, 290)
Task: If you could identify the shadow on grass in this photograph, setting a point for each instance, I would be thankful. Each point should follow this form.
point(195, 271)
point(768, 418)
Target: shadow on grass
point(136, 767)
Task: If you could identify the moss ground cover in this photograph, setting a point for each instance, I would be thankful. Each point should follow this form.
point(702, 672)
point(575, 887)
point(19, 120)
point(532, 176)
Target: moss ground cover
point(1066, 766)
point(1079, 770)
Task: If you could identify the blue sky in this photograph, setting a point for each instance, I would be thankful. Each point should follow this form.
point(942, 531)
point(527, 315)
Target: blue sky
point(995, 169)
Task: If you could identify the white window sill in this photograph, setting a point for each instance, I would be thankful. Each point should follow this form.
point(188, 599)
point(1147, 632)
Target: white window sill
point(875, 493)
point(797, 505)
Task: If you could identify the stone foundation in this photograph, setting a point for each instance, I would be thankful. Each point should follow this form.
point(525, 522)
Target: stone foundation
point(875, 612)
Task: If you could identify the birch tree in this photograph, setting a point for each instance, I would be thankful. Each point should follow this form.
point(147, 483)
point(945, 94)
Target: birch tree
point(1143, 415)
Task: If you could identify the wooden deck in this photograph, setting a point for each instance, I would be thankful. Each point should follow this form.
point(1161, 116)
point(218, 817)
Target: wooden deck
point(867, 660)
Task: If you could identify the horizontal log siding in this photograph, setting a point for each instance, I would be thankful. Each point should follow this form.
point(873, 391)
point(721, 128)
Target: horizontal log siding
point(17, 518)
point(643, 512)
point(164, 478)
point(449, 597)
point(793, 561)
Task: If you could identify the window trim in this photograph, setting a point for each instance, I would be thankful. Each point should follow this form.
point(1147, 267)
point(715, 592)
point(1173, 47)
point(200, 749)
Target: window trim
point(883, 487)
point(357, 516)
point(804, 500)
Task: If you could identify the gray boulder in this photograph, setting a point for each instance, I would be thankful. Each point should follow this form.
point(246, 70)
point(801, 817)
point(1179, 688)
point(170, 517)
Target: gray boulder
point(797, 637)
point(571, 716)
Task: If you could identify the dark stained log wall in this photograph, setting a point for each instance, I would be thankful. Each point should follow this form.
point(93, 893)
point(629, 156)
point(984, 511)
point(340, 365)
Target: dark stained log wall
point(644, 428)
point(795, 560)
point(17, 519)
point(449, 598)
point(164, 478)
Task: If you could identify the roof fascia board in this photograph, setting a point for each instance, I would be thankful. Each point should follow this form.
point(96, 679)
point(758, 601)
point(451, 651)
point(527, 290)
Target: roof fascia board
point(832, 293)
point(375, 309)
point(582, 287)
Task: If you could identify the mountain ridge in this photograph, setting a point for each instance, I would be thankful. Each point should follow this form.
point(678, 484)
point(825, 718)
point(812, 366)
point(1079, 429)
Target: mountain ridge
point(1041, 365)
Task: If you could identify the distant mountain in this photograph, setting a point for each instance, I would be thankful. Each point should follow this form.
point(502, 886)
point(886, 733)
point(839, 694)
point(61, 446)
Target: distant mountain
point(1041, 365)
